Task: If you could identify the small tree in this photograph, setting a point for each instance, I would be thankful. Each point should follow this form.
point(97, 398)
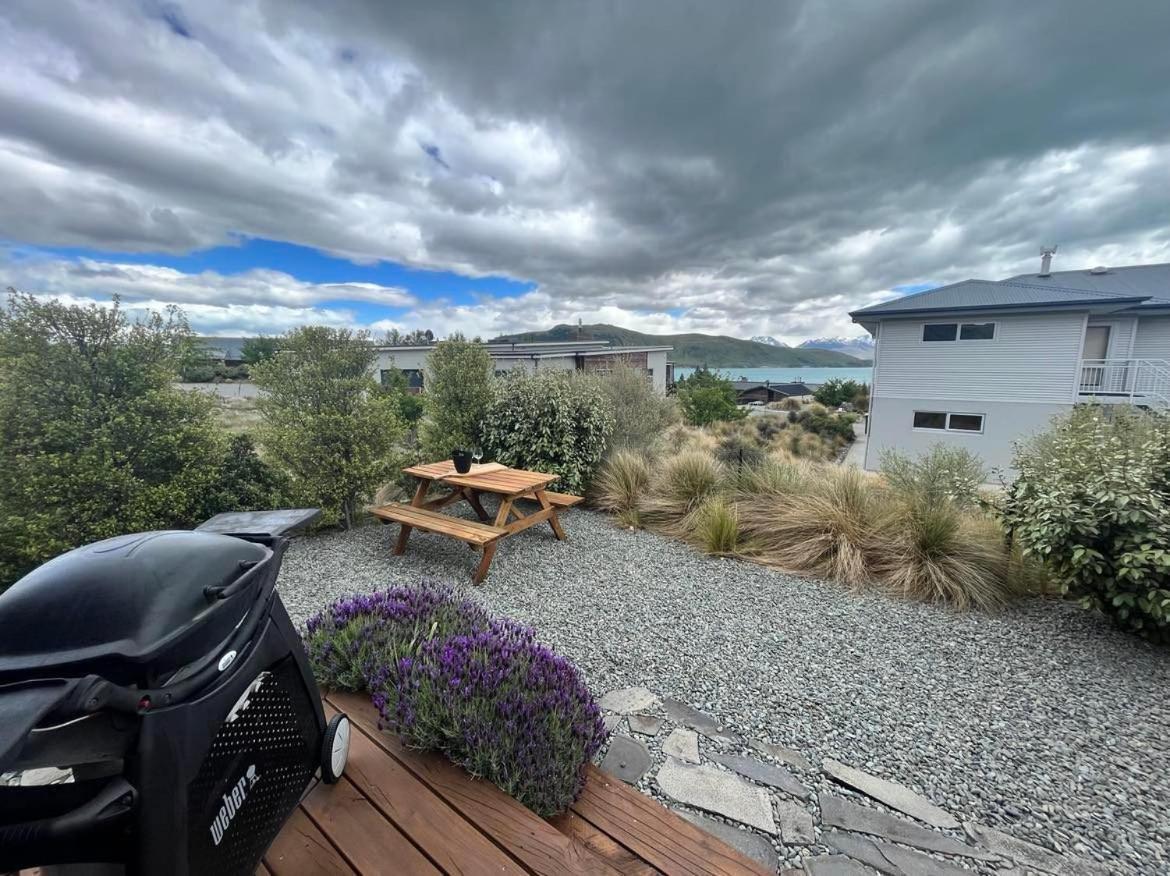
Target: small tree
point(326, 420)
point(259, 349)
point(1092, 502)
point(410, 406)
point(837, 391)
point(551, 421)
point(95, 440)
point(457, 389)
point(707, 397)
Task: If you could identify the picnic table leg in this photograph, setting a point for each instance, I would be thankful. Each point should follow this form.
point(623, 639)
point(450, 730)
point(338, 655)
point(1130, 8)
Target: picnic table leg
point(553, 520)
point(420, 496)
point(472, 497)
point(489, 551)
point(502, 514)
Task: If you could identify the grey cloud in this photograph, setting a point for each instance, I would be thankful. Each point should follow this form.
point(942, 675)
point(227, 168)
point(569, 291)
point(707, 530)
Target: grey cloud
point(763, 166)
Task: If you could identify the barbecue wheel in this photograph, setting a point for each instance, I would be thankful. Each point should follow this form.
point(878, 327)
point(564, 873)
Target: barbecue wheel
point(335, 749)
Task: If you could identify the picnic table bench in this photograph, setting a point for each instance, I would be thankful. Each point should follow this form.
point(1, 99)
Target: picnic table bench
point(511, 485)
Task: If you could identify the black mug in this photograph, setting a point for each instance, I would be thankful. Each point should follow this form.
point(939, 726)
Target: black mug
point(462, 460)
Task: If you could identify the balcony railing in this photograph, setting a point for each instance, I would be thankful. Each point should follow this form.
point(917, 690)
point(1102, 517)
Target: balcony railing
point(1137, 381)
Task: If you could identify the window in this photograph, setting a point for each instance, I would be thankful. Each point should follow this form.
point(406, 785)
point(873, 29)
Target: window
point(953, 331)
point(414, 377)
point(940, 331)
point(977, 331)
point(941, 421)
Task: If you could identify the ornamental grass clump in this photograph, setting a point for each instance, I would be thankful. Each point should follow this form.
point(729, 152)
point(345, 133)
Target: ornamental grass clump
point(447, 677)
point(682, 484)
point(620, 485)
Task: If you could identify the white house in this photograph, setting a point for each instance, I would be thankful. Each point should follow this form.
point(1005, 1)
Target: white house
point(981, 364)
point(543, 356)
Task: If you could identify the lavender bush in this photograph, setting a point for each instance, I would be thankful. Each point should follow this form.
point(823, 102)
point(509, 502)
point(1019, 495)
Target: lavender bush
point(485, 692)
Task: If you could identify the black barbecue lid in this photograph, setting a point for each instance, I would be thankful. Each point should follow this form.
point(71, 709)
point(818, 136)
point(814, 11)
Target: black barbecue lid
point(125, 600)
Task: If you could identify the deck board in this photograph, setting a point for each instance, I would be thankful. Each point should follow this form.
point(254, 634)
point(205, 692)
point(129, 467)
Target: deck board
point(404, 811)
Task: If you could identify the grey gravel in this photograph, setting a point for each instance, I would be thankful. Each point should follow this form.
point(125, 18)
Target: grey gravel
point(839, 812)
point(1041, 721)
point(889, 858)
point(891, 793)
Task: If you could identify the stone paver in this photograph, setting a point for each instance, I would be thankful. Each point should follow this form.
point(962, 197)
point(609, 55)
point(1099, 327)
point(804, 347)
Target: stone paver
point(796, 824)
point(835, 865)
point(683, 744)
point(681, 713)
point(888, 858)
point(627, 759)
point(847, 815)
point(647, 725)
point(630, 699)
point(892, 794)
point(707, 788)
point(764, 773)
point(794, 759)
point(1030, 855)
point(751, 844)
point(611, 723)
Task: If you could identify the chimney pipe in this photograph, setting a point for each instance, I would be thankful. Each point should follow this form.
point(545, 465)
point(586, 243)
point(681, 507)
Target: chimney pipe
point(1046, 254)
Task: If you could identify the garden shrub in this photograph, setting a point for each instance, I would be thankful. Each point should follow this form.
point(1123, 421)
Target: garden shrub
point(640, 414)
point(458, 390)
point(707, 397)
point(551, 421)
point(1092, 501)
point(95, 440)
point(739, 450)
point(244, 481)
point(621, 484)
point(790, 404)
point(327, 422)
point(837, 391)
point(484, 692)
point(941, 473)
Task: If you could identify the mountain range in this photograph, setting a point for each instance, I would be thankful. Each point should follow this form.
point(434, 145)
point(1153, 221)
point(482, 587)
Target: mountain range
point(692, 349)
point(862, 348)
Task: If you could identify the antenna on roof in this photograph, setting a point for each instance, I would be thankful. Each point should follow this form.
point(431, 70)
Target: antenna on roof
point(1046, 254)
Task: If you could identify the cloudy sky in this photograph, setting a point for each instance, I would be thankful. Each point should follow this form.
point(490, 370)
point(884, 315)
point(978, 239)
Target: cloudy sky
point(733, 167)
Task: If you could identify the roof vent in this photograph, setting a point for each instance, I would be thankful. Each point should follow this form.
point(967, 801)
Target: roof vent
point(1046, 254)
point(1100, 269)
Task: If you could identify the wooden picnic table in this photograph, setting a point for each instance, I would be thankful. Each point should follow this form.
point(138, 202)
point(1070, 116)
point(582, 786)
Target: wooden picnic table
point(510, 485)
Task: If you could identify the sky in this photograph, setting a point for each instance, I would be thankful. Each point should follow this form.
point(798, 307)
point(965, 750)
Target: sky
point(741, 168)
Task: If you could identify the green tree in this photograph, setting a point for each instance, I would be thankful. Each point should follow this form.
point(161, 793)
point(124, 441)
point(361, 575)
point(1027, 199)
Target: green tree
point(327, 422)
point(641, 416)
point(410, 405)
point(837, 391)
point(259, 349)
point(457, 389)
point(551, 421)
point(95, 440)
point(707, 397)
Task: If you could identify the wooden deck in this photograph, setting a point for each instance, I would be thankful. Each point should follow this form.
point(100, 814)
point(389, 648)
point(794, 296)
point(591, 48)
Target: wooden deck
point(403, 811)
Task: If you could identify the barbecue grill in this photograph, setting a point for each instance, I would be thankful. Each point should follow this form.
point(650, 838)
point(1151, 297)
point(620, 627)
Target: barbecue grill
point(162, 670)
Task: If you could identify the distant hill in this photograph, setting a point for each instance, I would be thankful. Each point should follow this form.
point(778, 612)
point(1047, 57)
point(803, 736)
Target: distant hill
point(859, 347)
point(715, 351)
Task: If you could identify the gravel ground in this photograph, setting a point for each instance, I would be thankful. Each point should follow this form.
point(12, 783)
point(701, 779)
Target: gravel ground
point(1041, 721)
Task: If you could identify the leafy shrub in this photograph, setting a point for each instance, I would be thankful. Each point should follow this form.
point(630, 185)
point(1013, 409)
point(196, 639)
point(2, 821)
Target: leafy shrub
point(837, 391)
point(738, 449)
point(1092, 501)
point(327, 422)
point(258, 349)
point(834, 427)
point(769, 427)
point(484, 692)
point(550, 421)
point(197, 372)
point(680, 487)
point(941, 473)
point(458, 390)
point(932, 552)
point(244, 481)
point(410, 405)
point(230, 372)
point(716, 528)
point(95, 440)
point(621, 484)
point(640, 414)
point(707, 397)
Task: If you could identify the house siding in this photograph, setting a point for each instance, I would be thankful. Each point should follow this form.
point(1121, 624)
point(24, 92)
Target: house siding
point(1152, 340)
point(1033, 359)
point(1004, 423)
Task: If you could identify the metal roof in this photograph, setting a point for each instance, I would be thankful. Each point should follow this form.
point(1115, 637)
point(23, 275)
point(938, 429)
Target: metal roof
point(783, 388)
point(995, 295)
point(1152, 281)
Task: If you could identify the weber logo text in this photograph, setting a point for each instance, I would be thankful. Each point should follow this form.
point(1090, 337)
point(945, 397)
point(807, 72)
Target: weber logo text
point(232, 801)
